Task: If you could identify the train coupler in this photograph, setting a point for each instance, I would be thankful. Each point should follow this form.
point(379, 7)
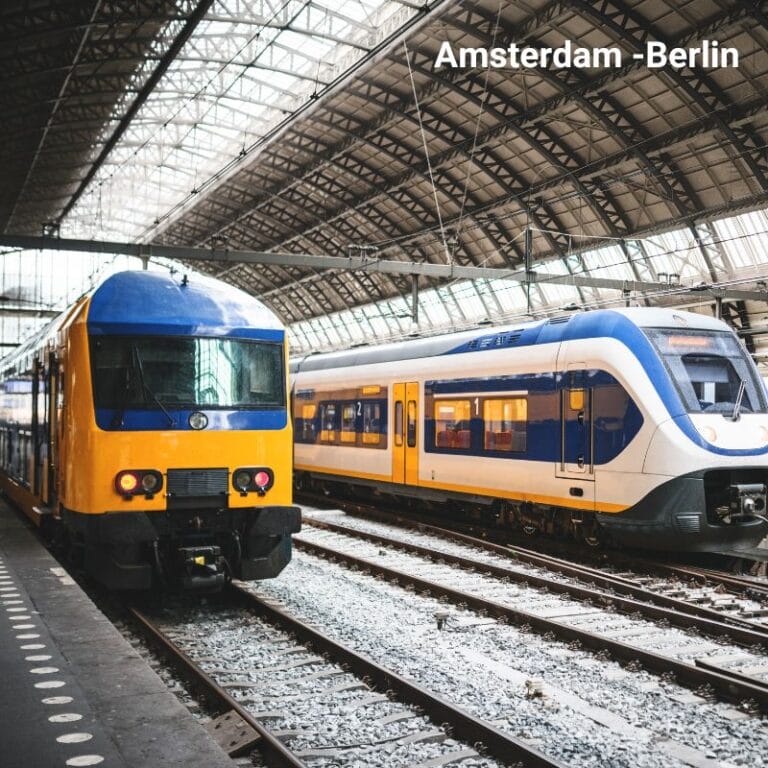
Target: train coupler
point(202, 568)
point(745, 502)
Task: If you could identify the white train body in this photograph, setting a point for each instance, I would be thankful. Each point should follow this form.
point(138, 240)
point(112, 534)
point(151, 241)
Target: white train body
point(622, 423)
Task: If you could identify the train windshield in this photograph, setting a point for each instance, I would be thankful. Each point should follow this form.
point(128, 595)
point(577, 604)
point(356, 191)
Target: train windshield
point(157, 372)
point(708, 368)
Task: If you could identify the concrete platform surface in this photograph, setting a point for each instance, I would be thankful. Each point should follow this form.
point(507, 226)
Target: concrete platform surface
point(73, 692)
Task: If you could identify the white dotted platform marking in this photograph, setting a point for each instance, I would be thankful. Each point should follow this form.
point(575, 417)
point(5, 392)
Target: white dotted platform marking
point(38, 657)
point(84, 760)
point(44, 670)
point(74, 738)
point(50, 684)
point(65, 717)
point(33, 647)
point(54, 700)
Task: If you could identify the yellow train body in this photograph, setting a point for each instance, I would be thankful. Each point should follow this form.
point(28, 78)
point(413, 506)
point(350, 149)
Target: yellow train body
point(63, 467)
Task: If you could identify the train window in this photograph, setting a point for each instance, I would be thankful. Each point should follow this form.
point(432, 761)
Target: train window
point(169, 371)
point(308, 422)
point(708, 368)
point(399, 423)
point(348, 417)
point(411, 434)
point(452, 424)
point(576, 399)
point(371, 423)
point(506, 421)
point(328, 422)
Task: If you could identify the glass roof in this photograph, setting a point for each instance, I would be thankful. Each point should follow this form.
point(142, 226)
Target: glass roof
point(673, 256)
point(249, 65)
point(31, 281)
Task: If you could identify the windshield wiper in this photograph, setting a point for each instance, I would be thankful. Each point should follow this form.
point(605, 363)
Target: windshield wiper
point(119, 417)
point(737, 406)
point(146, 387)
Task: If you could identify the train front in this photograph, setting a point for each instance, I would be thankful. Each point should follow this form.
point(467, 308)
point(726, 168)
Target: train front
point(177, 448)
point(705, 452)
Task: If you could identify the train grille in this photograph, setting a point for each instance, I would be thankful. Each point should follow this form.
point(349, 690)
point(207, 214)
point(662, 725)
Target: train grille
point(688, 523)
point(197, 482)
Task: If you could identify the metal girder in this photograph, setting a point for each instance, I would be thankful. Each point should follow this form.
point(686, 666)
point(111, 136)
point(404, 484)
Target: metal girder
point(186, 31)
point(364, 263)
point(427, 12)
point(13, 310)
point(633, 29)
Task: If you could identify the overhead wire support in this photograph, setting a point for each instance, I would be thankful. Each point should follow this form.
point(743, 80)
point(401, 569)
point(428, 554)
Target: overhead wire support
point(448, 254)
point(364, 262)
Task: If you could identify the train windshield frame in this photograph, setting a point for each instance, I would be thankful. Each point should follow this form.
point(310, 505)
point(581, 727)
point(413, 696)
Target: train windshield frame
point(186, 372)
point(708, 367)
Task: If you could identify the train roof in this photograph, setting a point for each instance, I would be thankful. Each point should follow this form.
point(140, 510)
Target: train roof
point(143, 302)
point(602, 322)
point(148, 303)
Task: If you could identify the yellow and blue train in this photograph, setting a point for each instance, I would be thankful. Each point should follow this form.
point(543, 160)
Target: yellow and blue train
point(645, 427)
point(148, 428)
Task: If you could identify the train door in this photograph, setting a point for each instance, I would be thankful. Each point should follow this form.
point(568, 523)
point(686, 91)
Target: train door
point(37, 427)
point(53, 380)
point(576, 429)
point(405, 451)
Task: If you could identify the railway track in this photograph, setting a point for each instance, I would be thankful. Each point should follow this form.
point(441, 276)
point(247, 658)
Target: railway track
point(307, 698)
point(629, 629)
point(737, 599)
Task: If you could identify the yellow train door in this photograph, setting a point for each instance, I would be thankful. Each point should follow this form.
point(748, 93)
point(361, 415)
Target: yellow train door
point(405, 423)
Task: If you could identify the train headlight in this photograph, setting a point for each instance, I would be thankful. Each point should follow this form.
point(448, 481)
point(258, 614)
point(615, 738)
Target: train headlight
point(150, 482)
point(127, 482)
point(709, 434)
point(242, 480)
point(198, 420)
point(258, 479)
point(137, 482)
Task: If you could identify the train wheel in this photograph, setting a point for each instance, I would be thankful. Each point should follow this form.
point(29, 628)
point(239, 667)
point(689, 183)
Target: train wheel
point(588, 532)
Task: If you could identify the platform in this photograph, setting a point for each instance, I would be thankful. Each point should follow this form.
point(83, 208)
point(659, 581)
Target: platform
point(74, 692)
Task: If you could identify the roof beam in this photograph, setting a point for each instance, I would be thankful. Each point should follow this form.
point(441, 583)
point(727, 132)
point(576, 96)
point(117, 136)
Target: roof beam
point(168, 57)
point(368, 263)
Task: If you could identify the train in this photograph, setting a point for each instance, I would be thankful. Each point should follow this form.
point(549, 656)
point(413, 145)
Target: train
point(638, 427)
point(146, 431)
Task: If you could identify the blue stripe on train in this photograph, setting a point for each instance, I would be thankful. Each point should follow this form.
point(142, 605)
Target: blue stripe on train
point(607, 324)
point(156, 420)
point(612, 432)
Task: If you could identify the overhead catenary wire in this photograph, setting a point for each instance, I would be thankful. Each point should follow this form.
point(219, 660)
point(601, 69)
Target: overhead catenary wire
point(448, 254)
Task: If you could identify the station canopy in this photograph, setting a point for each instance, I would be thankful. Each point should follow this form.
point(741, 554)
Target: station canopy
point(321, 127)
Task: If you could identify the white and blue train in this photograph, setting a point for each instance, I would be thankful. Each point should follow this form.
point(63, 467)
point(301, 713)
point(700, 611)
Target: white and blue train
point(642, 427)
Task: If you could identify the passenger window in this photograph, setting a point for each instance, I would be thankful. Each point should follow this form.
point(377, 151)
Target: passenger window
point(399, 423)
point(371, 423)
point(348, 434)
point(506, 424)
point(411, 423)
point(452, 424)
point(328, 422)
point(308, 423)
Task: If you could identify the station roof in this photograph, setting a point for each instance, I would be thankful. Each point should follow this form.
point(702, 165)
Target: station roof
point(310, 126)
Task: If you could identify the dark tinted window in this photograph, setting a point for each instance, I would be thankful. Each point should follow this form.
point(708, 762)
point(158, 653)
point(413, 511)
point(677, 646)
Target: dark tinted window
point(136, 372)
point(708, 368)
